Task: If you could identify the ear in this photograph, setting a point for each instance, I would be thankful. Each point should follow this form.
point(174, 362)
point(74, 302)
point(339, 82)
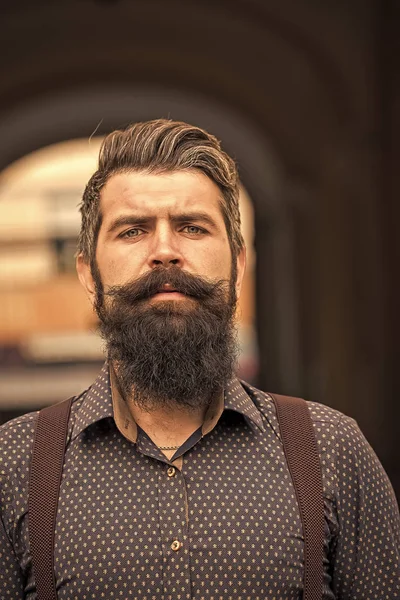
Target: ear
point(85, 277)
point(241, 267)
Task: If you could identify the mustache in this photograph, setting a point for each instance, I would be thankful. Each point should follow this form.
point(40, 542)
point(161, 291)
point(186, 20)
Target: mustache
point(151, 283)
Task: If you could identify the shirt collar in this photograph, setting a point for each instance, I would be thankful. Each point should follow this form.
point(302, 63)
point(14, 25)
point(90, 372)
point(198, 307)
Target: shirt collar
point(97, 403)
point(103, 400)
point(238, 400)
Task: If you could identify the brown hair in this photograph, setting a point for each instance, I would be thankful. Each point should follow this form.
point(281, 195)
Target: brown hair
point(156, 147)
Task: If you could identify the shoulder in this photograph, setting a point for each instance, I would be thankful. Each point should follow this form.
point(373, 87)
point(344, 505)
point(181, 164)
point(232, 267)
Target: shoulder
point(346, 456)
point(333, 429)
point(319, 413)
point(16, 438)
point(16, 441)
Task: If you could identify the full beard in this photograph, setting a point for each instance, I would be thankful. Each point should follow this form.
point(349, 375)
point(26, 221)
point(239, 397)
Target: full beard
point(169, 353)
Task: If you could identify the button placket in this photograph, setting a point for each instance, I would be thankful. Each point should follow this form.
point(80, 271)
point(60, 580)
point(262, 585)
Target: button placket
point(173, 524)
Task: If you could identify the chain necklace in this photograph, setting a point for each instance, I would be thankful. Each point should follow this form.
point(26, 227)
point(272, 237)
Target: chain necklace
point(168, 447)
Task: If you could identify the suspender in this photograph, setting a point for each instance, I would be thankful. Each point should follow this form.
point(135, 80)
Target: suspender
point(302, 457)
point(44, 484)
point(300, 447)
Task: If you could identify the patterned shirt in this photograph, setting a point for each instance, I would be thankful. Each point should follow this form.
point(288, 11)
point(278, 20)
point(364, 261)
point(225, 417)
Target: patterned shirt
point(219, 521)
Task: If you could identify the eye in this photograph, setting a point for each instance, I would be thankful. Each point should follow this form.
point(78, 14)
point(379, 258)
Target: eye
point(131, 233)
point(193, 230)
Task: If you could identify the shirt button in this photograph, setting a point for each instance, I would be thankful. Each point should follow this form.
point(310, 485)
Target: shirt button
point(176, 545)
point(171, 472)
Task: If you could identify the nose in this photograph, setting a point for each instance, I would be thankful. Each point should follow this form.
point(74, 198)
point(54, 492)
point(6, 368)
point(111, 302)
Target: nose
point(165, 250)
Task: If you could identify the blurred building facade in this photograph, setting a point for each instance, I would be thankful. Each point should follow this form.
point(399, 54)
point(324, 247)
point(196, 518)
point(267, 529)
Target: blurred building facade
point(304, 94)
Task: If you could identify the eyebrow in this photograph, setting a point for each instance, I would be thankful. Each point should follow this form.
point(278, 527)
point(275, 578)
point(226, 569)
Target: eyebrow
point(177, 219)
point(126, 220)
point(194, 216)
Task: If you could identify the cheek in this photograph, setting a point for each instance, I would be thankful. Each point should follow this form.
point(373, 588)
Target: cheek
point(118, 268)
point(213, 262)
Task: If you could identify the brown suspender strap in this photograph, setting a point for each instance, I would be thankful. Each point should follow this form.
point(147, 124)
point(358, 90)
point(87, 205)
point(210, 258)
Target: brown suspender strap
point(302, 457)
point(44, 485)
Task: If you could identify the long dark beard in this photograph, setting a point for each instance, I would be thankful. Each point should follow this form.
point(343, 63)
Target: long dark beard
point(170, 353)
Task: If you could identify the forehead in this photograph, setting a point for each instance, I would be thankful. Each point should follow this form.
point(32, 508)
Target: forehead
point(152, 193)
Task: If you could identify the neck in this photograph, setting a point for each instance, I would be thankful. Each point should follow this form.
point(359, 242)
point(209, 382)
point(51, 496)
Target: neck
point(168, 426)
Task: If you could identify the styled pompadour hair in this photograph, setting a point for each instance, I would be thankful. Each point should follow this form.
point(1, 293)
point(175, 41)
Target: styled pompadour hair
point(160, 146)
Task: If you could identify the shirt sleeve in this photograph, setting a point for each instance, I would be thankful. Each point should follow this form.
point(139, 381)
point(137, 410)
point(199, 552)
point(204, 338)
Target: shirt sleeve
point(366, 556)
point(11, 585)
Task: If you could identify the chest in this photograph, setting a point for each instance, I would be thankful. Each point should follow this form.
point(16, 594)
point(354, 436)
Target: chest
point(227, 520)
point(224, 526)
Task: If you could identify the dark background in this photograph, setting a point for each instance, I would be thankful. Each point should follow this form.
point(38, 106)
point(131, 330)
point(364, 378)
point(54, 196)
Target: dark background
point(305, 95)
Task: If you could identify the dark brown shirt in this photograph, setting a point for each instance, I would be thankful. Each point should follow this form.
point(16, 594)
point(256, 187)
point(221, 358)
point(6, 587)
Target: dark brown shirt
point(219, 522)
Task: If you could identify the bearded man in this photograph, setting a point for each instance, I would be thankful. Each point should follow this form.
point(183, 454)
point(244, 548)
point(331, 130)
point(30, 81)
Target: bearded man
point(175, 483)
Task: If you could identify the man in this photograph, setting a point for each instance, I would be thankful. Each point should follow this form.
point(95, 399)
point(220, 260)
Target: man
point(175, 483)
